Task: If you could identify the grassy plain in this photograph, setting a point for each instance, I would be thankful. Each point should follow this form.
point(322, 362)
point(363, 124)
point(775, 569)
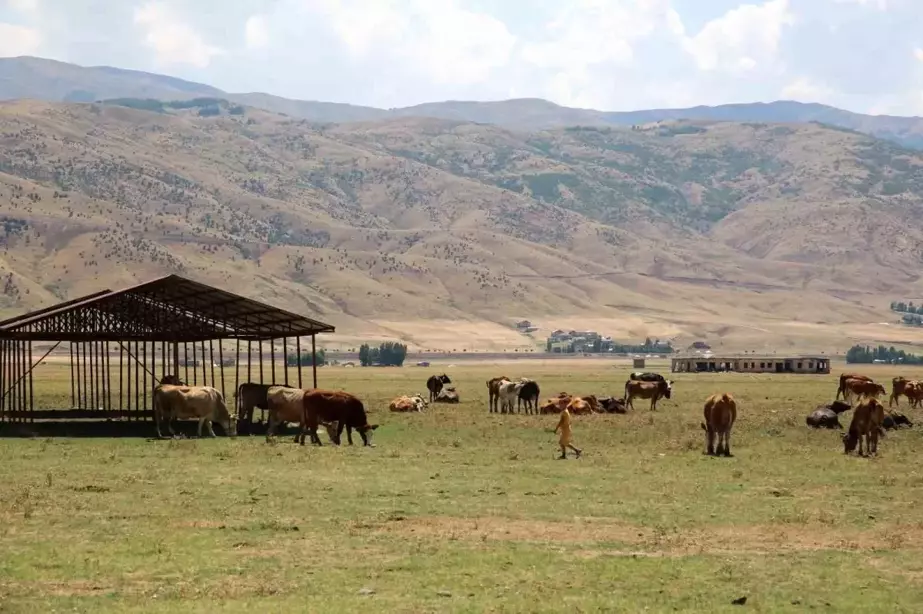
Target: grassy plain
point(456, 510)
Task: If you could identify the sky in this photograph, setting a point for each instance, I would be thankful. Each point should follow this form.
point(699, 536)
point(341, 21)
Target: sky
point(618, 55)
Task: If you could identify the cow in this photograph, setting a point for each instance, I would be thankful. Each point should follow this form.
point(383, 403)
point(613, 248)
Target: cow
point(893, 420)
point(863, 388)
point(913, 390)
point(867, 419)
point(612, 405)
point(508, 392)
point(639, 376)
point(556, 405)
point(435, 383)
point(205, 403)
point(578, 406)
point(846, 376)
point(720, 414)
point(824, 418)
point(447, 395)
point(335, 407)
point(898, 384)
point(493, 392)
point(529, 394)
point(407, 404)
point(647, 390)
point(249, 396)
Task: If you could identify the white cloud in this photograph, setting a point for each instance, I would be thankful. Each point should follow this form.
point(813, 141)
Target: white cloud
point(256, 32)
point(438, 38)
point(26, 7)
point(173, 41)
point(918, 54)
point(742, 38)
point(803, 89)
point(18, 40)
point(881, 5)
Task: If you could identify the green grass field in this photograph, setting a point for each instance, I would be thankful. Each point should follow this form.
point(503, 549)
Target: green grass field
point(456, 510)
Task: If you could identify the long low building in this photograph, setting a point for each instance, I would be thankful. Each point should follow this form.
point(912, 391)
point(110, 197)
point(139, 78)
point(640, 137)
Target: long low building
point(751, 363)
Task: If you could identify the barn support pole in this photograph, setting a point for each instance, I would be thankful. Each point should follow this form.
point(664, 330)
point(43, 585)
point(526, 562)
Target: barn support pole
point(144, 375)
point(298, 352)
point(211, 360)
point(137, 383)
point(14, 372)
point(98, 373)
point(2, 380)
point(314, 358)
point(91, 374)
point(221, 369)
point(73, 383)
point(75, 348)
point(186, 362)
point(176, 358)
point(195, 365)
point(108, 378)
point(23, 386)
point(19, 403)
point(249, 360)
point(261, 361)
point(285, 358)
point(204, 372)
point(121, 379)
point(163, 360)
point(31, 388)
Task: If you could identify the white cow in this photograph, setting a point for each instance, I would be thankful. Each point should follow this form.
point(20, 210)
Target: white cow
point(508, 395)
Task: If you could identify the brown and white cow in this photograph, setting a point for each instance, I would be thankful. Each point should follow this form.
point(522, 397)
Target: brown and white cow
point(204, 403)
point(415, 403)
point(335, 407)
point(493, 392)
point(847, 376)
point(720, 414)
point(647, 390)
point(867, 419)
point(508, 394)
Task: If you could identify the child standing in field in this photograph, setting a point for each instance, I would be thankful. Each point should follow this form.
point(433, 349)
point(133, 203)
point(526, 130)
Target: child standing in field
point(566, 434)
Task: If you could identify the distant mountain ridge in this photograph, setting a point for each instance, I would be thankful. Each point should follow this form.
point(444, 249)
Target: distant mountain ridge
point(53, 81)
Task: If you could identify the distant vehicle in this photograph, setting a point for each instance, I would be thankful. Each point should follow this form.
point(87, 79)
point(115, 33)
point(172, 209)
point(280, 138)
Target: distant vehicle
point(423, 363)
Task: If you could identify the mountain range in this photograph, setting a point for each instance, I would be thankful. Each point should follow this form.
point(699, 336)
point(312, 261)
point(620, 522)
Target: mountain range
point(443, 231)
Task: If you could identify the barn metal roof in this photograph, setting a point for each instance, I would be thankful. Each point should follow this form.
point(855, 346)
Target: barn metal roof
point(170, 308)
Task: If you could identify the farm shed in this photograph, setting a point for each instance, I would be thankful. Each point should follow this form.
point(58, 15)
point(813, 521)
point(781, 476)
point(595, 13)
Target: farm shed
point(751, 363)
point(122, 343)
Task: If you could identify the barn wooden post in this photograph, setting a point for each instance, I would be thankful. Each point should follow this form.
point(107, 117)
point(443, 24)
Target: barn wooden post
point(14, 361)
point(2, 380)
point(211, 360)
point(221, 369)
point(195, 365)
point(204, 372)
point(272, 358)
point(144, 374)
point(186, 362)
point(91, 374)
point(298, 351)
point(261, 361)
point(23, 386)
point(79, 389)
point(285, 357)
point(314, 358)
point(121, 377)
point(137, 382)
point(108, 379)
point(249, 360)
point(31, 387)
point(73, 383)
point(237, 369)
point(176, 358)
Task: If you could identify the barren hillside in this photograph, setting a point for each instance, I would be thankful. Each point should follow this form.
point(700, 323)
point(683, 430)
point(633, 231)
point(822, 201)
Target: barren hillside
point(442, 233)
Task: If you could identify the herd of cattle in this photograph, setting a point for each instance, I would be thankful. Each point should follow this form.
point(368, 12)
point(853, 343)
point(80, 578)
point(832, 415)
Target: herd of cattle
point(338, 411)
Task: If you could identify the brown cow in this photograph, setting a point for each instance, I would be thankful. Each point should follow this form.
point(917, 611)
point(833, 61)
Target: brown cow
point(845, 376)
point(647, 390)
point(204, 403)
point(897, 389)
point(720, 414)
point(286, 404)
point(867, 419)
point(863, 388)
point(335, 407)
point(493, 392)
point(578, 407)
point(913, 390)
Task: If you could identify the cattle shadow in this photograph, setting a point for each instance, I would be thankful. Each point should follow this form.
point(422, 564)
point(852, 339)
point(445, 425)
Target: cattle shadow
point(121, 429)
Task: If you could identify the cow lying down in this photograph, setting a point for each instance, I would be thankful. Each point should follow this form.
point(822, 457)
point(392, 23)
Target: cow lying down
point(827, 416)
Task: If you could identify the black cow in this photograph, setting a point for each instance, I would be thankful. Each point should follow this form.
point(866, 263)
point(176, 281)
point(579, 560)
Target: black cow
point(528, 394)
point(612, 405)
point(435, 383)
point(895, 420)
point(824, 418)
point(640, 376)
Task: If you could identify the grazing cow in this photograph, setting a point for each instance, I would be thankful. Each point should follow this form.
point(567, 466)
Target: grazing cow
point(204, 403)
point(284, 405)
point(823, 418)
point(249, 396)
point(845, 376)
point(866, 424)
point(863, 388)
point(435, 383)
point(493, 392)
point(720, 415)
point(335, 407)
point(647, 390)
point(447, 395)
point(406, 404)
point(508, 393)
point(529, 394)
point(612, 405)
point(639, 376)
point(895, 420)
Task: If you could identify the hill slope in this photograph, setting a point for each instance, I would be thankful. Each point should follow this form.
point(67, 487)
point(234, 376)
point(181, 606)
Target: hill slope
point(443, 233)
point(40, 79)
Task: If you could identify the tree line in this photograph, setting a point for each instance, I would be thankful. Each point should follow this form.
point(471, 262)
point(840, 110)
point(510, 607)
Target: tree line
point(902, 307)
point(388, 354)
point(305, 360)
point(859, 354)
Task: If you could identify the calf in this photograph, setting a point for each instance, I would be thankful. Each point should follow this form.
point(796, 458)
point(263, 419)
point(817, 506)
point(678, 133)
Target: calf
point(847, 376)
point(823, 418)
point(867, 419)
point(863, 388)
point(335, 407)
point(647, 390)
point(720, 414)
point(493, 392)
point(435, 383)
point(529, 394)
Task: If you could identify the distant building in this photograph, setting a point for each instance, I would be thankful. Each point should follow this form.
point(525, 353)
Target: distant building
point(523, 324)
point(751, 363)
point(699, 345)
